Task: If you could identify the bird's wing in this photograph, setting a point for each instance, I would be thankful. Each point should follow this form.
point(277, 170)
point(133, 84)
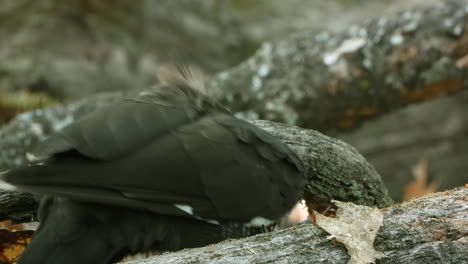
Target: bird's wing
point(171, 152)
point(118, 129)
point(245, 171)
point(242, 171)
point(217, 167)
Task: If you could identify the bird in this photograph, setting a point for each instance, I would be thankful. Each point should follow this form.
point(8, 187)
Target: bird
point(163, 170)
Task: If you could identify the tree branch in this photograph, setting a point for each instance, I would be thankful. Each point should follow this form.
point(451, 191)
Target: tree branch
point(432, 229)
point(330, 81)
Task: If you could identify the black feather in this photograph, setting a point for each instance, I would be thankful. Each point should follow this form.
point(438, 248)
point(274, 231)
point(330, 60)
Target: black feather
point(147, 161)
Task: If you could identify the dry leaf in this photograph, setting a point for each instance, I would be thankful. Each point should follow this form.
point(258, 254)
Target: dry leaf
point(12, 244)
point(463, 62)
point(356, 227)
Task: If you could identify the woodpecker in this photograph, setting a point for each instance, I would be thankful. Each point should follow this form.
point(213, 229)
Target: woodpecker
point(164, 170)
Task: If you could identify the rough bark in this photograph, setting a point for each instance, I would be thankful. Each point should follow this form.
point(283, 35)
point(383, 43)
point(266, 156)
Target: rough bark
point(434, 131)
point(329, 81)
point(334, 169)
point(433, 230)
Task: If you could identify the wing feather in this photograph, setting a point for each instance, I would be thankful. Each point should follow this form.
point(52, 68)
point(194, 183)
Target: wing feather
point(145, 154)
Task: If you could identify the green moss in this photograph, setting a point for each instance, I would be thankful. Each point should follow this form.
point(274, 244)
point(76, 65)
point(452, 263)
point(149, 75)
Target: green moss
point(364, 84)
point(12, 104)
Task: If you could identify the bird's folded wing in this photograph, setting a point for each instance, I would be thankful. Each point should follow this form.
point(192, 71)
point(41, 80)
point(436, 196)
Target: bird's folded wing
point(118, 129)
point(217, 167)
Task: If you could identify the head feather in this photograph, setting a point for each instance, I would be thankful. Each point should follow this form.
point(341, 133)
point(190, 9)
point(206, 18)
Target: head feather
point(185, 75)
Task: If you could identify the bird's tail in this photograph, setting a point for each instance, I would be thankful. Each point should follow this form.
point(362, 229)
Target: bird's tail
point(89, 247)
point(76, 233)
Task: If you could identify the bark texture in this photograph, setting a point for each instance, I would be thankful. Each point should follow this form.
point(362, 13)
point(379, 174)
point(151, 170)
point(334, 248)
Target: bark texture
point(432, 229)
point(334, 169)
point(337, 81)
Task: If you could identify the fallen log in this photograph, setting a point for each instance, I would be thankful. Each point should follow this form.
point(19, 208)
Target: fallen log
point(432, 229)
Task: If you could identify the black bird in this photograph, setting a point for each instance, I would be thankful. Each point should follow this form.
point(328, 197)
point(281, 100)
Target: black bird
point(164, 170)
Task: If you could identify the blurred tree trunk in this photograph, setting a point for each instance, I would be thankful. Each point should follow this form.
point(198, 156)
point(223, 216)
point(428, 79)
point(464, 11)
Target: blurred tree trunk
point(435, 131)
point(79, 47)
point(337, 81)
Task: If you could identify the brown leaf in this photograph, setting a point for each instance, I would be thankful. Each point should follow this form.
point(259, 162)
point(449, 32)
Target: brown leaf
point(12, 244)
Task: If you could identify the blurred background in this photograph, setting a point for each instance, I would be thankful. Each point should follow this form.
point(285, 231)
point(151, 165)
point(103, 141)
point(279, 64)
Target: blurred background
point(54, 52)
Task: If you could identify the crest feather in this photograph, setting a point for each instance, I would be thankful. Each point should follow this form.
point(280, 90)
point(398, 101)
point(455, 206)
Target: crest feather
point(182, 75)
